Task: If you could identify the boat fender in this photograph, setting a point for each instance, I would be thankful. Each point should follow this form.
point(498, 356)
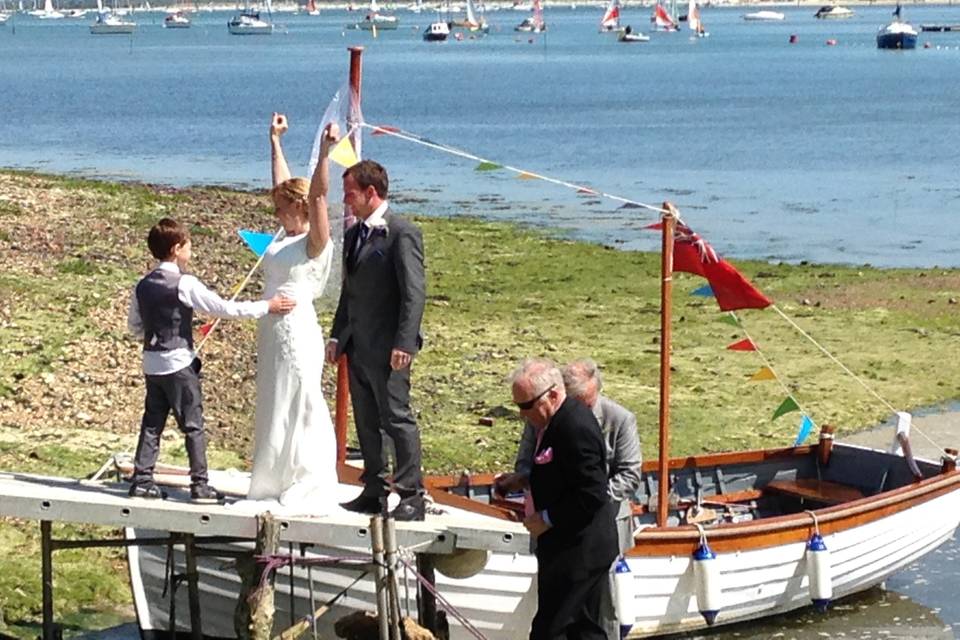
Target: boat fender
point(706, 573)
point(818, 571)
point(626, 595)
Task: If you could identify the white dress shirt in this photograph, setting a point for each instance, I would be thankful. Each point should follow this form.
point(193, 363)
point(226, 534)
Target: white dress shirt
point(195, 295)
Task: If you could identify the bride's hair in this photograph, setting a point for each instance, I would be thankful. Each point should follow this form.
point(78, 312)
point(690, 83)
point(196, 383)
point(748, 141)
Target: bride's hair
point(293, 190)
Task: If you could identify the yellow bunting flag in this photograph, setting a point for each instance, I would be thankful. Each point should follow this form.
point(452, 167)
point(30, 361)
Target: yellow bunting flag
point(765, 373)
point(343, 154)
point(526, 176)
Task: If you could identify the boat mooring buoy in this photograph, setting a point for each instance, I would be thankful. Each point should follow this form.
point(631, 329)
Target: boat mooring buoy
point(831, 42)
point(793, 38)
point(706, 573)
point(626, 594)
point(818, 569)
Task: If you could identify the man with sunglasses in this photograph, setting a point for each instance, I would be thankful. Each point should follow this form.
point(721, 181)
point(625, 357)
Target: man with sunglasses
point(583, 380)
point(570, 517)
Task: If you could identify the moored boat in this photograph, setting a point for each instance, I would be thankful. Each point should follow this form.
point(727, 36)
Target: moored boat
point(629, 35)
point(109, 23)
point(763, 16)
point(249, 23)
point(176, 20)
point(535, 22)
point(438, 31)
point(833, 12)
point(897, 34)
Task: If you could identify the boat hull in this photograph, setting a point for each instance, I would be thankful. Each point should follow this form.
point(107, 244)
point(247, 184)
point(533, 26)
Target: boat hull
point(246, 30)
point(112, 29)
point(897, 41)
point(884, 521)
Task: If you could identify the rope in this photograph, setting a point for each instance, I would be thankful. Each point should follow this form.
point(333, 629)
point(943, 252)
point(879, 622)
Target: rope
point(847, 370)
point(444, 603)
point(417, 139)
point(270, 563)
point(769, 365)
point(816, 523)
point(239, 288)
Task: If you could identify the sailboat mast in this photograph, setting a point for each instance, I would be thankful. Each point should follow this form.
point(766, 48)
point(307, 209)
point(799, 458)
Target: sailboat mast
point(666, 287)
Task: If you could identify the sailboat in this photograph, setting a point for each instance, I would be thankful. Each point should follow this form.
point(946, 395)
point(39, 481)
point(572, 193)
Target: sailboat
point(249, 23)
point(312, 9)
point(720, 538)
point(534, 23)
point(610, 22)
point(110, 23)
point(661, 19)
point(48, 12)
point(474, 21)
point(376, 21)
point(694, 22)
point(897, 34)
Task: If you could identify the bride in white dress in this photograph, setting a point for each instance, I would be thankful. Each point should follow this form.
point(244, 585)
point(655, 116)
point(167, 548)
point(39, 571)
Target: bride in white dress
point(294, 457)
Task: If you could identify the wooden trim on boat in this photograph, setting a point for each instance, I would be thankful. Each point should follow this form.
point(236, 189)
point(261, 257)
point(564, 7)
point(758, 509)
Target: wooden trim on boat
point(745, 536)
point(732, 457)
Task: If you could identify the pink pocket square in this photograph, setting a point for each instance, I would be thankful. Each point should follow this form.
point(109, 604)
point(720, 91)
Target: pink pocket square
point(544, 456)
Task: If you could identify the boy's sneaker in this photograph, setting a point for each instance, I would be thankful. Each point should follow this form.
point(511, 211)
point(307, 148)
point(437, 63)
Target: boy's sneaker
point(147, 490)
point(204, 493)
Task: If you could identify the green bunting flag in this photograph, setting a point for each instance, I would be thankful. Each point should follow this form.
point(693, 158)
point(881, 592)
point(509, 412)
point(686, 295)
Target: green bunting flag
point(729, 318)
point(487, 166)
point(786, 406)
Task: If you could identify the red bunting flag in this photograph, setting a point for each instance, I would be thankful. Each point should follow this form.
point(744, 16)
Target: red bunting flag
point(205, 329)
point(382, 130)
point(744, 345)
point(692, 254)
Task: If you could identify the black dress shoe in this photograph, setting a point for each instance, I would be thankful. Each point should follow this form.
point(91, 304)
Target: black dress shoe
point(147, 490)
point(409, 510)
point(204, 494)
point(363, 504)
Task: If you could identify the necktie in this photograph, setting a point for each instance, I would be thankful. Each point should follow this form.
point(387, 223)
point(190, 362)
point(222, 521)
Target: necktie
point(364, 232)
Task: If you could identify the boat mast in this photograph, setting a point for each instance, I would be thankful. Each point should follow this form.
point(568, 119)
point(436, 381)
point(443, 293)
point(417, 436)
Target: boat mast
point(343, 378)
point(666, 270)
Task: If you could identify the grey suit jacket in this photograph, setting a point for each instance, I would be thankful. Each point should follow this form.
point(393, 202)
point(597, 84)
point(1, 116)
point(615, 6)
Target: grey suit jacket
point(622, 442)
point(383, 294)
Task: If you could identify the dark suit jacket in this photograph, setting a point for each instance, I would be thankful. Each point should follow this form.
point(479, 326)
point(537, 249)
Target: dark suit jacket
point(569, 481)
point(383, 293)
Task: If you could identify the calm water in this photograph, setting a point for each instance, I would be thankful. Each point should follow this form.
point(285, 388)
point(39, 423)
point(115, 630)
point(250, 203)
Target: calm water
point(787, 152)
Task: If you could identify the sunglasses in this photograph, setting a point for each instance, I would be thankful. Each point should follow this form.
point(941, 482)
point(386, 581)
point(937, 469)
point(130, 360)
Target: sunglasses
point(526, 405)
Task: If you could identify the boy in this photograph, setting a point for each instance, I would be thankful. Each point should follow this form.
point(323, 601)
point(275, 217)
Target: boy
point(161, 313)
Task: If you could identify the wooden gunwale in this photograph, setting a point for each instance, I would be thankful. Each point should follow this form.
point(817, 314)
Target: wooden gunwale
point(797, 527)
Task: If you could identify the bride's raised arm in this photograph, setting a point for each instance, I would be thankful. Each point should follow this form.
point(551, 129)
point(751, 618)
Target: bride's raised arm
point(278, 163)
point(319, 234)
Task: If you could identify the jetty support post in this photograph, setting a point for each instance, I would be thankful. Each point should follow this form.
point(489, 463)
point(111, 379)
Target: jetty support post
point(393, 589)
point(193, 587)
point(253, 619)
point(46, 570)
point(380, 573)
point(426, 601)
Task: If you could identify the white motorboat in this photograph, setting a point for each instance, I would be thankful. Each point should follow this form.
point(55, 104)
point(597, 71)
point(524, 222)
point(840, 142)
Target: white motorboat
point(833, 12)
point(249, 23)
point(764, 16)
point(176, 20)
point(629, 35)
point(109, 23)
point(438, 31)
point(535, 22)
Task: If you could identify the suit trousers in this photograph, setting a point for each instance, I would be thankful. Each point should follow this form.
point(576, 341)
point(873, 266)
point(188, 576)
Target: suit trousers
point(381, 404)
point(568, 608)
point(178, 393)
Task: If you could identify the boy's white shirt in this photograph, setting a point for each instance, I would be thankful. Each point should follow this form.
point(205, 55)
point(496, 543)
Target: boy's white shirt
point(197, 296)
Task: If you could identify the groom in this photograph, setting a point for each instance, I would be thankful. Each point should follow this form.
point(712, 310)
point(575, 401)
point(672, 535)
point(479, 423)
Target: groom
point(377, 324)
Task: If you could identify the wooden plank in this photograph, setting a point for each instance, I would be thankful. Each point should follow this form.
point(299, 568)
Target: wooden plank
point(817, 490)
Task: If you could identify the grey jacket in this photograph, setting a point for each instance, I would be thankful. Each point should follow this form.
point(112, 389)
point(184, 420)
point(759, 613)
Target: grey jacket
point(383, 294)
point(619, 429)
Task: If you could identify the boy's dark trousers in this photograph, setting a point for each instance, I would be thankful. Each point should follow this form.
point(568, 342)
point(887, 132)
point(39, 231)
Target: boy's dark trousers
point(177, 392)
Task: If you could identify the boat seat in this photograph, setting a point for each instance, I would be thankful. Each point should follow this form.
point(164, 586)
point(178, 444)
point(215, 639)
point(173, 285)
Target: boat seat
point(820, 491)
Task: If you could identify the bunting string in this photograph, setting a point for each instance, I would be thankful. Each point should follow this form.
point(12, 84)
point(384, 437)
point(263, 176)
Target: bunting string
point(487, 164)
point(238, 289)
point(769, 365)
point(850, 373)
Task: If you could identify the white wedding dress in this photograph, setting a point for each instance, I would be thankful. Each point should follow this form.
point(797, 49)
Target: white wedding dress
point(294, 455)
